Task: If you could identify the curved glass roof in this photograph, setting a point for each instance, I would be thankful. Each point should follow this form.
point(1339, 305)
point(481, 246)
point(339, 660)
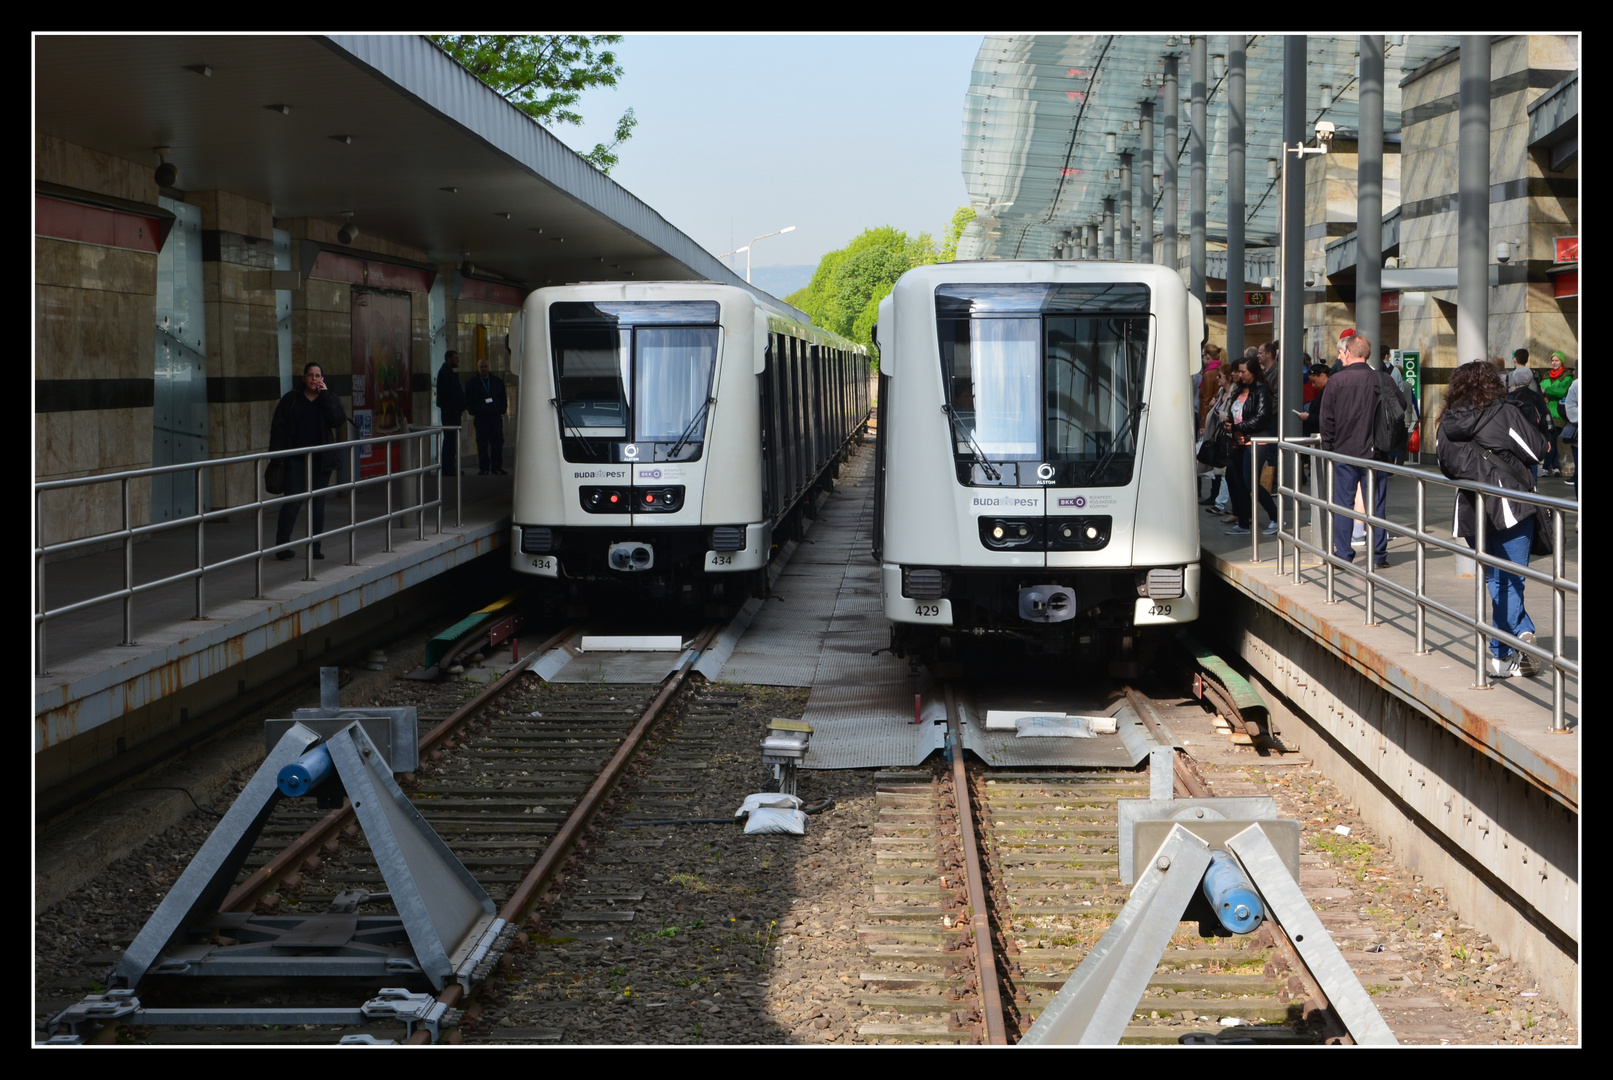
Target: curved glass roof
point(1039, 108)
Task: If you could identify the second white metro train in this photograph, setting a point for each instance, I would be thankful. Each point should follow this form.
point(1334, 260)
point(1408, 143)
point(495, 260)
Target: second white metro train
point(671, 432)
point(1035, 476)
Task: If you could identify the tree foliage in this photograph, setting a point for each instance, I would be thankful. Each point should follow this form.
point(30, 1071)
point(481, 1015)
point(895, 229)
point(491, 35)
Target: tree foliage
point(544, 75)
point(848, 285)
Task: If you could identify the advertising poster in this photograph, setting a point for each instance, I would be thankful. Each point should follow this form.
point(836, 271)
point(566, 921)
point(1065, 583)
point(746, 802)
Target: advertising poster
point(381, 373)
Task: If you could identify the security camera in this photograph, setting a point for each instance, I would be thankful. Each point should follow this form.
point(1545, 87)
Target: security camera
point(1503, 252)
point(347, 233)
point(167, 175)
point(1324, 132)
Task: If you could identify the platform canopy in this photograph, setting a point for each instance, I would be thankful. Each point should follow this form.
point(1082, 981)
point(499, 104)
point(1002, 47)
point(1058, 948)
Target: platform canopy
point(1040, 106)
point(386, 127)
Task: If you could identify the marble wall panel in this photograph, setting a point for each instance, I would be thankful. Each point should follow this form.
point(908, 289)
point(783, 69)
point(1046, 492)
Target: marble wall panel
point(91, 266)
point(83, 335)
point(1558, 52)
point(318, 295)
point(58, 161)
point(244, 341)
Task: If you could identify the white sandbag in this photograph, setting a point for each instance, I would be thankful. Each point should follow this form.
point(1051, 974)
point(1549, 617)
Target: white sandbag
point(769, 819)
point(1063, 727)
point(770, 799)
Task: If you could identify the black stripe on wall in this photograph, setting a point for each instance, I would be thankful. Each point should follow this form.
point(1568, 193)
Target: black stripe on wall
point(86, 395)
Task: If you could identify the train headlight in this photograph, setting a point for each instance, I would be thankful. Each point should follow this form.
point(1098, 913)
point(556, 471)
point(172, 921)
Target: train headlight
point(997, 533)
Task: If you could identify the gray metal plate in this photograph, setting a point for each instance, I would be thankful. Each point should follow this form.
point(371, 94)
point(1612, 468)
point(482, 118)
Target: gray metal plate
point(1122, 750)
point(645, 668)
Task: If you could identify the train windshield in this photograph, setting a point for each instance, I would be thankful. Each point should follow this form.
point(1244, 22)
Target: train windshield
point(634, 372)
point(1044, 381)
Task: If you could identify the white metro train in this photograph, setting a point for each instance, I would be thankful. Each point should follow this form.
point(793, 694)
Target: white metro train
point(1034, 475)
point(672, 432)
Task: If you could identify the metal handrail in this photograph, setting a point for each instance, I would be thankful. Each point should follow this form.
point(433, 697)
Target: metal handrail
point(1562, 666)
point(128, 534)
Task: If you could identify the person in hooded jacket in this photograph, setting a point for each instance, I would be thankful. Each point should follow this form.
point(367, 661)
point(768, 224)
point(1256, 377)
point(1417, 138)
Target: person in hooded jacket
point(1484, 439)
point(1251, 412)
point(1554, 387)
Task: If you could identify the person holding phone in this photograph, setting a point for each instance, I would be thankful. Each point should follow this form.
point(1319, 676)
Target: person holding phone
point(309, 416)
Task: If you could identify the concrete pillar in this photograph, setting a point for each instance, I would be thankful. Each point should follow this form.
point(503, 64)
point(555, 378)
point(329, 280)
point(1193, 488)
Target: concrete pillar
point(1169, 203)
point(1125, 246)
point(1473, 203)
point(1147, 165)
point(1237, 181)
point(1198, 164)
point(1109, 229)
point(1369, 197)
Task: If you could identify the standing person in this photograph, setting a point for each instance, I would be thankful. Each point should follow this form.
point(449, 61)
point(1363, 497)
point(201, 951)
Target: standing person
point(1267, 355)
point(1571, 433)
point(1344, 343)
point(1209, 382)
point(305, 417)
point(485, 400)
point(1217, 498)
point(1310, 417)
point(451, 400)
point(1485, 439)
point(1520, 362)
point(1554, 385)
point(1346, 419)
point(1530, 402)
point(1252, 413)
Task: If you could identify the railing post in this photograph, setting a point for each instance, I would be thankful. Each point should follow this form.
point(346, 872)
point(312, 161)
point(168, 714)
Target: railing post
point(352, 506)
point(386, 454)
point(1558, 618)
point(128, 567)
point(1254, 501)
point(308, 504)
point(201, 549)
point(1422, 567)
point(1368, 510)
point(459, 481)
point(439, 437)
point(422, 447)
point(1479, 569)
point(257, 512)
point(1327, 541)
point(39, 588)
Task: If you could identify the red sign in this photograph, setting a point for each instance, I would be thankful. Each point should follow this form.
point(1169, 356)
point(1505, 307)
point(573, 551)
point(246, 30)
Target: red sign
point(1252, 316)
point(492, 292)
point(1389, 302)
point(1565, 284)
point(1567, 249)
point(63, 220)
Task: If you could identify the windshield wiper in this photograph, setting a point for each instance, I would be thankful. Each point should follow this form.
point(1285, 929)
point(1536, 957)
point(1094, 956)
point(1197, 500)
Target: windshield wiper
point(979, 455)
point(576, 429)
point(1133, 418)
point(684, 438)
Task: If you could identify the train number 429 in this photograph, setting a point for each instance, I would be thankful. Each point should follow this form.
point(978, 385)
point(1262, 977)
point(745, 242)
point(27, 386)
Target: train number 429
point(1159, 609)
point(927, 611)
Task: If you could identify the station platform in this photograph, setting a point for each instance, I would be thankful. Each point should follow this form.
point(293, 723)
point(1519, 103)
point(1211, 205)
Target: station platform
point(1510, 721)
point(96, 689)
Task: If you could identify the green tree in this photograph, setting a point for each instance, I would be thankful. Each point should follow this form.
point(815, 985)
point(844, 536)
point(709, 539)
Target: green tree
point(960, 221)
point(544, 75)
point(848, 285)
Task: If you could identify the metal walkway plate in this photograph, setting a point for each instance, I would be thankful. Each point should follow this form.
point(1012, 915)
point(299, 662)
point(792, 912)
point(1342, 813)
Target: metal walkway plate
point(1124, 749)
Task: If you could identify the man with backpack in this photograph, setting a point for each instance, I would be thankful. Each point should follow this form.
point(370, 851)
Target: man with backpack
point(1363, 416)
point(1532, 403)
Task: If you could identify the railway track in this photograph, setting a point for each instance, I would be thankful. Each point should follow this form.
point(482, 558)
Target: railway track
point(510, 778)
point(1045, 844)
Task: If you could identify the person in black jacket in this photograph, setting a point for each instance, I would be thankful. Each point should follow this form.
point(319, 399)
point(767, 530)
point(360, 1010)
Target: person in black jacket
point(1346, 414)
point(486, 401)
point(1483, 438)
point(310, 416)
point(451, 400)
point(1251, 413)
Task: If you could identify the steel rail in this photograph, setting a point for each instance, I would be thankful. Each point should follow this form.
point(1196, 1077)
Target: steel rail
point(991, 1002)
point(245, 895)
point(582, 815)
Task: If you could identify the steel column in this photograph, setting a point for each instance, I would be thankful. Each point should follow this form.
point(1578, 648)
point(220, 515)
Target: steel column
point(1169, 204)
point(1473, 203)
point(1147, 165)
point(1293, 253)
point(1369, 198)
point(1198, 140)
point(1109, 229)
point(1125, 248)
point(1237, 181)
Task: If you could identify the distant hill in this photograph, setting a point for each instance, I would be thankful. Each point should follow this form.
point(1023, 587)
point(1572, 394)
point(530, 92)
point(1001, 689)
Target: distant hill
point(781, 281)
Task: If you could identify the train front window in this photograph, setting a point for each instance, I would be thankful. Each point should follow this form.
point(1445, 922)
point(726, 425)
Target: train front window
point(1044, 381)
point(673, 378)
point(633, 377)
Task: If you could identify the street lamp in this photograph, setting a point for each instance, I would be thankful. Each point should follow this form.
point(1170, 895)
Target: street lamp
point(1324, 140)
point(747, 248)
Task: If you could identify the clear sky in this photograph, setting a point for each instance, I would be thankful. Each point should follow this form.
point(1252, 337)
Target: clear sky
point(742, 135)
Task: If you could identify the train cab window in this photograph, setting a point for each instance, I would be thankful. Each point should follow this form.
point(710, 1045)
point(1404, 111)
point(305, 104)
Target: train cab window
point(1044, 381)
point(634, 377)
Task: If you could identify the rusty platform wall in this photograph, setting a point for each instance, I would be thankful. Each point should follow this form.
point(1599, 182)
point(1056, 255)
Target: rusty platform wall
point(1503, 843)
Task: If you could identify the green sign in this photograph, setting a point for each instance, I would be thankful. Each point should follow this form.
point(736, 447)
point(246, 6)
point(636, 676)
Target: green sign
point(1411, 369)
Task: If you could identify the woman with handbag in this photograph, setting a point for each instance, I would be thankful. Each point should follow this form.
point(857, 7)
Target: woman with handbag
point(1213, 447)
point(308, 416)
point(1484, 439)
point(1250, 414)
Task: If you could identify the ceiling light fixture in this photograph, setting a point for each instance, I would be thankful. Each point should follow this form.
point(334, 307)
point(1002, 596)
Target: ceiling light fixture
point(344, 139)
point(283, 110)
